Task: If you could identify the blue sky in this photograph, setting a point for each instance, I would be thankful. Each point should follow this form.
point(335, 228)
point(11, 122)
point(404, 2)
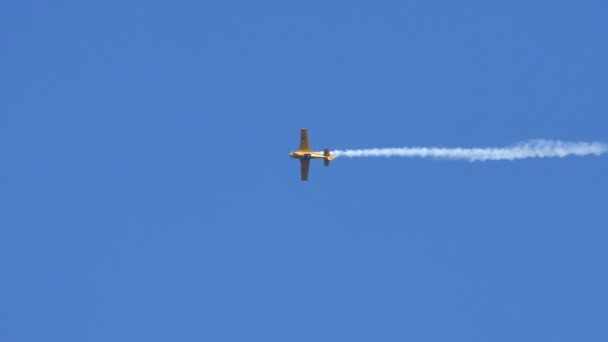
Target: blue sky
point(147, 193)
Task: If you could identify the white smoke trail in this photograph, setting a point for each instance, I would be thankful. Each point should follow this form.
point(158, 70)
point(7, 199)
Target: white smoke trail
point(528, 149)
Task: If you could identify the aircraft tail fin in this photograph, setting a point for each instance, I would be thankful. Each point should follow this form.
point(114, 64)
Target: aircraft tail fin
point(328, 157)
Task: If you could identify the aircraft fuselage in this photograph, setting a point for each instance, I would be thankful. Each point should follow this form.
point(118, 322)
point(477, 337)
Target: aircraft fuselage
point(306, 155)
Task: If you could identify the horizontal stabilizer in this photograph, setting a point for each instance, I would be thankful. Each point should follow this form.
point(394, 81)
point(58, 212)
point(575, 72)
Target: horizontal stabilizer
point(327, 157)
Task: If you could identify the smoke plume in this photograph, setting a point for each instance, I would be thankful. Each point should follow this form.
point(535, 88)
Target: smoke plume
point(528, 149)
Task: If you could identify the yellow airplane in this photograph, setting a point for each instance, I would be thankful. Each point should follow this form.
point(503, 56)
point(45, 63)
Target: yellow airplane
point(305, 154)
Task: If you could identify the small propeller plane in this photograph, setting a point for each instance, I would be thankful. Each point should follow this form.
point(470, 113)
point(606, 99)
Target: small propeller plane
point(305, 154)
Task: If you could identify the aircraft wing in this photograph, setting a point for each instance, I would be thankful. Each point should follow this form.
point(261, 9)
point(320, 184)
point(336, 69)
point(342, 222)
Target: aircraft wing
point(304, 163)
point(304, 143)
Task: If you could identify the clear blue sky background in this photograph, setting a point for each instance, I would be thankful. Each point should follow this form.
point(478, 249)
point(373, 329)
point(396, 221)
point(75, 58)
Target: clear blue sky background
point(147, 194)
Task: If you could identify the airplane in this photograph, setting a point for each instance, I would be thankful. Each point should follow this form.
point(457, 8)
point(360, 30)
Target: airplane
point(305, 154)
